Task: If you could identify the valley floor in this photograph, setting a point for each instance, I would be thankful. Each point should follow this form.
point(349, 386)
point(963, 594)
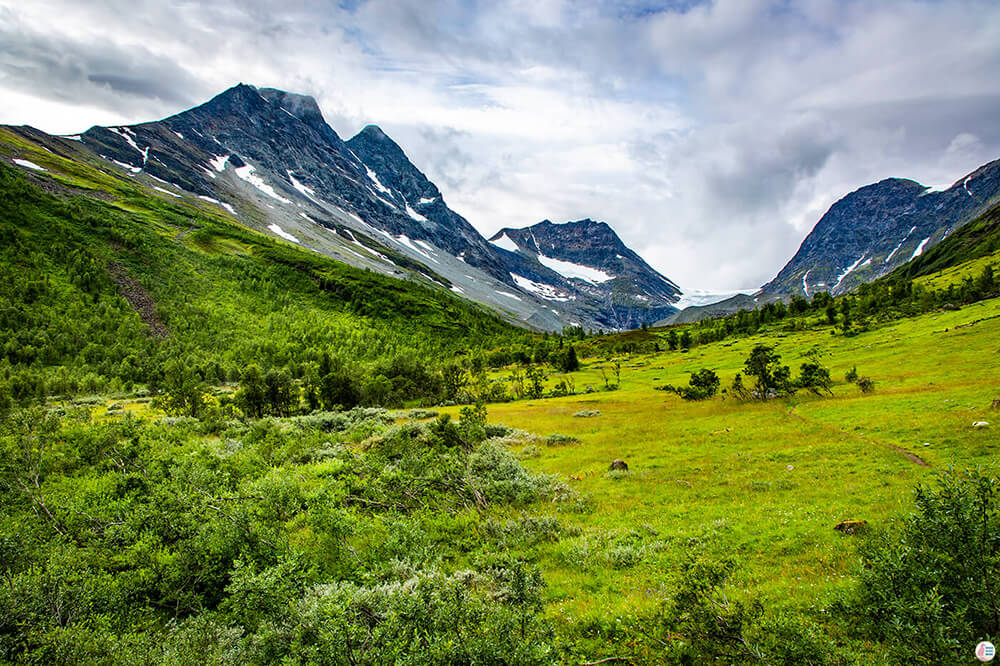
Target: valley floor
point(763, 482)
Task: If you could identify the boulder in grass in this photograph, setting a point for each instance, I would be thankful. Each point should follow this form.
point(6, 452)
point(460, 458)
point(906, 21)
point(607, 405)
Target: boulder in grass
point(619, 464)
point(851, 526)
point(981, 424)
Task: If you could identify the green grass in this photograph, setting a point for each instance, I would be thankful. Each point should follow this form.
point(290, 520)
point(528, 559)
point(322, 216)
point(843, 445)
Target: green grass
point(766, 482)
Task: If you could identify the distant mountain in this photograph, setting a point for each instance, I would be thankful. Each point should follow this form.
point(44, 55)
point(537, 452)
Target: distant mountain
point(880, 227)
point(268, 159)
point(585, 266)
point(723, 308)
point(978, 239)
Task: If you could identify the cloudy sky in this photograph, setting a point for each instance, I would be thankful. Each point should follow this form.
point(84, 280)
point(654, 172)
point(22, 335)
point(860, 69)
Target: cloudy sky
point(710, 135)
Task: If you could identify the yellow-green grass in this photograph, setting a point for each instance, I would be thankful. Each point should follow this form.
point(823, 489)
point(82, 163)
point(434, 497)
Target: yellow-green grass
point(762, 482)
point(956, 274)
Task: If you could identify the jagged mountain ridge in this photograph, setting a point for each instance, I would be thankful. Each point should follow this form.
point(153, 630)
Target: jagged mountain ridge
point(267, 130)
point(879, 227)
point(269, 158)
point(586, 261)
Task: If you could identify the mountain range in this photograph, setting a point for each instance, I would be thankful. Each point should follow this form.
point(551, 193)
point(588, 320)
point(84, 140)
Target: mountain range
point(269, 159)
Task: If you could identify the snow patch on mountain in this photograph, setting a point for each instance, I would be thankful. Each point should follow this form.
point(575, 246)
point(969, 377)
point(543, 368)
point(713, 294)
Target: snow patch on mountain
point(281, 232)
point(920, 248)
point(850, 269)
point(413, 246)
point(128, 136)
point(504, 242)
point(218, 162)
point(414, 214)
point(896, 249)
point(570, 270)
point(247, 174)
point(548, 292)
point(124, 165)
point(165, 191)
point(374, 177)
point(304, 189)
point(28, 164)
point(218, 203)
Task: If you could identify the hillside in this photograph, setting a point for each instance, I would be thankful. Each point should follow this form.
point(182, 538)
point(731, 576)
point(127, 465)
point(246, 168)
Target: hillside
point(105, 285)
point(269, 160)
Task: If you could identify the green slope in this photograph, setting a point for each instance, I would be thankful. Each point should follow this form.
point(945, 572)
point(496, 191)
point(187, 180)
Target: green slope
point(75, 240)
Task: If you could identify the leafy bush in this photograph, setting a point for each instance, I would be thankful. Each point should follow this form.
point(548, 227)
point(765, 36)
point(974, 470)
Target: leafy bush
point(814, 378)
point(929, 586)
point(866, 384)
point(701, 386)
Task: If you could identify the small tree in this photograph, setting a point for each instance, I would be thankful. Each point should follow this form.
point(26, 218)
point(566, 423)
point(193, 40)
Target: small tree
point(702, 385)
point(738, 389)
point(454, 379)
point(772, 377)
point(567, 360)
point(814, 378)
point(184, 388)
point(536, 378)
point(282, 395)
point(473, 422)
point(516, 380)
point(252, 395)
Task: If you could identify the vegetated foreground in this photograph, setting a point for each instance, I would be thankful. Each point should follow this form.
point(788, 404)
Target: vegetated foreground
point(371, 537)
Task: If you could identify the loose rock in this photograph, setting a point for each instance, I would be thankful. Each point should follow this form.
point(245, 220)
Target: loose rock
point(851, 526)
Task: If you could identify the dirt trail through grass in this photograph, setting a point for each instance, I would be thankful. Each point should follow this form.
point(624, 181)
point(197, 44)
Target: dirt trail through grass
point(912, 457)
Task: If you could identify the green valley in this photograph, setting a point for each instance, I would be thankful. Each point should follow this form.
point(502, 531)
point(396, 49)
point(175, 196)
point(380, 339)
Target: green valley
point(219, 447)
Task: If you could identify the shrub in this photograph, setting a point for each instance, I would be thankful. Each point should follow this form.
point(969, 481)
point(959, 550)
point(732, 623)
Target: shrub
point(557, 439)
point(701, 386)
point(587, 413)
point(930, 585)
point(866, 384)
point(814, 378)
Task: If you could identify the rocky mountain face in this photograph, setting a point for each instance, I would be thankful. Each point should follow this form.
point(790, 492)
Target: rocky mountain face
point(877, 228)
point(587, 267)
point(268, 159)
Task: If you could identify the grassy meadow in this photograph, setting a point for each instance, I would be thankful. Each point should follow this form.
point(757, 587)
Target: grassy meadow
point(762, 482)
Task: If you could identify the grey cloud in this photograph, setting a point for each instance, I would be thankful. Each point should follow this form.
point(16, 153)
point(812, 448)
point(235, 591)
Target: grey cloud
point(95, 73)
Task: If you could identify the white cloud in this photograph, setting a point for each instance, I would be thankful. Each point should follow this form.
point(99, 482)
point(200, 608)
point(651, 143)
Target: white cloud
point(711, 135)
